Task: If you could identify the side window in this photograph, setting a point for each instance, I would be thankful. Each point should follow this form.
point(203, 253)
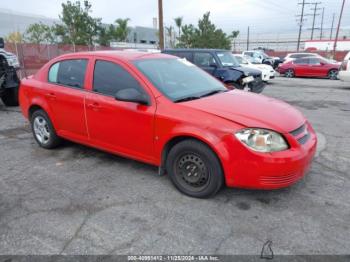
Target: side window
point(186, 55)
point(109, 78)
point(301, 61)
point(68, 73)
point(203, 59)
point(314, 61)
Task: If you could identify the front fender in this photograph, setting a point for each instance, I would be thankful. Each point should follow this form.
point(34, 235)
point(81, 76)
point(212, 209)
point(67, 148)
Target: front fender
point(214, 142)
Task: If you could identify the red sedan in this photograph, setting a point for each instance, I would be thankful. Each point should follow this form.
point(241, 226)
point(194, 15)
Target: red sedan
point(165, 111)
point(309, 67)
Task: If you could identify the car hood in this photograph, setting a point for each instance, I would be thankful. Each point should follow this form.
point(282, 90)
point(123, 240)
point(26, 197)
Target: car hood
point(250, 110)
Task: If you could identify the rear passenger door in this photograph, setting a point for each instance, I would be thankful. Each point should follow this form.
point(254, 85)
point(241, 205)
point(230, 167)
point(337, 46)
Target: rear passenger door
point(302, 67)
point(206, 61)
point(65, 97)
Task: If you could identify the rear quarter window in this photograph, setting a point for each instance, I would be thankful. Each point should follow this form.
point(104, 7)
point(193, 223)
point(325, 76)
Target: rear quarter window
point(68, 73)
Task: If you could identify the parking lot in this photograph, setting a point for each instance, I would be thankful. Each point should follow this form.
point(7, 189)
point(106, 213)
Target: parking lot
point(78, 200)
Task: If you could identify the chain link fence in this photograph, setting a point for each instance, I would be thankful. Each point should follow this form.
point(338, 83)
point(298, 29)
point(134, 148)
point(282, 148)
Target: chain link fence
point(34, 56)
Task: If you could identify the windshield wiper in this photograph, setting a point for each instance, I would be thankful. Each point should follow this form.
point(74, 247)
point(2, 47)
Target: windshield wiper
point(213, 92)
point(188, 98)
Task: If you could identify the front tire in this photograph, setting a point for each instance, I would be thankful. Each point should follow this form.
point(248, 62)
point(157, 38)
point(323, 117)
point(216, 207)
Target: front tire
point(10, 97)
point(194, 169)
point(43, 130)
point(289, 73)
point(333, 74)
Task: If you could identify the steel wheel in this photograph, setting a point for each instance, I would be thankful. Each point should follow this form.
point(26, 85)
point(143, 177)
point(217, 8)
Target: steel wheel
point(41, 130)
point(191, 172)
point(289, 73)
point(333, 74)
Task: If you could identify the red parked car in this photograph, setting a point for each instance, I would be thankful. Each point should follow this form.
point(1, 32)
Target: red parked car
point(165, 111)
point(309, 67)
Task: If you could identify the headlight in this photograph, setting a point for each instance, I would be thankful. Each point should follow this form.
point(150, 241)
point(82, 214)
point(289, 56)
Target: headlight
point(262, 140)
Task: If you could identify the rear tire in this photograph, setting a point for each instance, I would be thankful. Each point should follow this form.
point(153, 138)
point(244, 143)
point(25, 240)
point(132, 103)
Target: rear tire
point(194, 169)
point(43, 130)
point(10, 97)
point(333, 74)
point(289, 73)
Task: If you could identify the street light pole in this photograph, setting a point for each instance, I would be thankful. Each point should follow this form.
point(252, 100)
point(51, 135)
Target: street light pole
point(161, 28)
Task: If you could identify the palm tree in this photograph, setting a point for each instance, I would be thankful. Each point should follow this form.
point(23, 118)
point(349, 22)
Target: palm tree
point(122, 29)
point(178, 22)
point(233, 36)
point(170, 34)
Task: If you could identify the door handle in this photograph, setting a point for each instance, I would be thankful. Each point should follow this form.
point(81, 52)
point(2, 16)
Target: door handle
point(94, 106)
point(51, 96)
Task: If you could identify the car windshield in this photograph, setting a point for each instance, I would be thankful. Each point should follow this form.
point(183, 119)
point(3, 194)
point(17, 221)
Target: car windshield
point(227, 59)
point(241, 60)
point(179, 79)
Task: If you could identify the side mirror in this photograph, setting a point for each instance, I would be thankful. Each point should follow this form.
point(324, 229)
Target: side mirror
point(131, 95)
point(322, 64)
point(213, 65)
point(2, 42)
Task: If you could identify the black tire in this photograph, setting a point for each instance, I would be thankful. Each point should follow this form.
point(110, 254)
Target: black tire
point(52, 140)
point(289, 73)
point(204, 176)
point(333, 74)
point(10, 97)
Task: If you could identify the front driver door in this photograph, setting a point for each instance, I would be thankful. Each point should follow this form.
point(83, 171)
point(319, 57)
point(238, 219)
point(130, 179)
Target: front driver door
point(316, 67)
point(122, 127)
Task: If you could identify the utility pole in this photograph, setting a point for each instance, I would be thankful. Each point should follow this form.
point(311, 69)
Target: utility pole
point(332, 27)
point(321, 33)
point(313, 20)
point(248, 39)
point(337, 33)
point(161, 28)
point(301, 22)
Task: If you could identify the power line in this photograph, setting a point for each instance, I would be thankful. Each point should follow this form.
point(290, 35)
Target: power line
point(332, 27)
point(321, 33)
point(301, 23)
point(314, 17)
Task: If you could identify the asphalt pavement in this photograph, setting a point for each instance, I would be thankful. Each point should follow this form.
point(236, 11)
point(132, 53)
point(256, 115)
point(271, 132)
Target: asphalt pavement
point(78, 200)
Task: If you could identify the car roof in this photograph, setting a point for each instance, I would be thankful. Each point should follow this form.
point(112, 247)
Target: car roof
point(122, 55)
point(311, 54)
point(195, 50)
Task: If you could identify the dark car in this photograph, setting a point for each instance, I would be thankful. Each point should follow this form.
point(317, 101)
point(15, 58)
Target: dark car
point(224, 66)
point(9, 81)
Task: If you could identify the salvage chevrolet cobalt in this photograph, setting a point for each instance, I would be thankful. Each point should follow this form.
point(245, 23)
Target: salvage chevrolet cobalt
point(165, 111)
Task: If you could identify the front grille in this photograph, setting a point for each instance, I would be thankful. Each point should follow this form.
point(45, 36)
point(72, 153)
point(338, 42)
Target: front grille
point(299, 130)
point(301, 134)
point(304, 139)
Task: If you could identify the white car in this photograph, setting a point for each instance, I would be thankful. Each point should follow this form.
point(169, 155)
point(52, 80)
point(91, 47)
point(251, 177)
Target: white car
point(344, 73)
point(267, 72)
point(293, 56)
